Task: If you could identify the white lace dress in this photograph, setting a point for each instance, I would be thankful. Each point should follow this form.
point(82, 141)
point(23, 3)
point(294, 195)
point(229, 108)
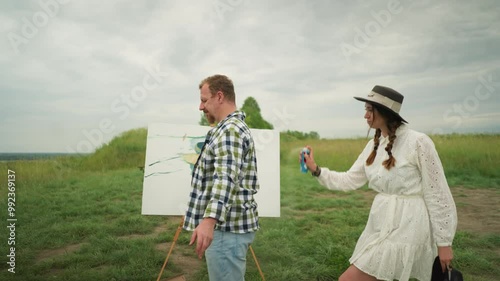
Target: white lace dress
point(412, 213)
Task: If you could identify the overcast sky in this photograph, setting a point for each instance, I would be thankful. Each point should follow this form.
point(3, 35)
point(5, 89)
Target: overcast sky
point(77, 73)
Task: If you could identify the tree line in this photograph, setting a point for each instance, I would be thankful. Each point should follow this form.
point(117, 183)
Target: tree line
point(255, 120)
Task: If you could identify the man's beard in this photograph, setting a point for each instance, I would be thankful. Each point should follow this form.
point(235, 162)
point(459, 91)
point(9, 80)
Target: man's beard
point(210, 118)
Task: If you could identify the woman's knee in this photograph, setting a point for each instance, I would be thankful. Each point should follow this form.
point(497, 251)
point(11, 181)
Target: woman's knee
point(347, 275)
point(354, 274)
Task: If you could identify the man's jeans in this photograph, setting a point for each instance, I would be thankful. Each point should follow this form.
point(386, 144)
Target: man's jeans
point(226, 256)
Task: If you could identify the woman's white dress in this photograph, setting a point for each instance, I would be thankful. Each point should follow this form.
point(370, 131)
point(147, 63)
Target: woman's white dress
point(412, 213)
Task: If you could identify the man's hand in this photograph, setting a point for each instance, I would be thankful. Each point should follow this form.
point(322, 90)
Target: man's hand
point(203, 234)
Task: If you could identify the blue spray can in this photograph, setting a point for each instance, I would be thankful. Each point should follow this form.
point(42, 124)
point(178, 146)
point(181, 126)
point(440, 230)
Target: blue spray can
point(303, 166)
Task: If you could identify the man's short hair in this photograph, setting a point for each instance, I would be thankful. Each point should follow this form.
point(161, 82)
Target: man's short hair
point(221, 83)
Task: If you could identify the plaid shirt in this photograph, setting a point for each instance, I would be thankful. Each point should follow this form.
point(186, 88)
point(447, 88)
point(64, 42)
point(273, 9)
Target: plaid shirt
point(224, 179)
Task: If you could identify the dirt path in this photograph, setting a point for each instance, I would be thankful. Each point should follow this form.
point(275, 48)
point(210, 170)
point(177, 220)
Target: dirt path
point(478, 209)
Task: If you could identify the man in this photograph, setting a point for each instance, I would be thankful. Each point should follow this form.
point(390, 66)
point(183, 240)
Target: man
point(222, 210)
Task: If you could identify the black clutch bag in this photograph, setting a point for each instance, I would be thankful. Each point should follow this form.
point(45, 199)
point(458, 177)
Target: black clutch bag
point(449, 275)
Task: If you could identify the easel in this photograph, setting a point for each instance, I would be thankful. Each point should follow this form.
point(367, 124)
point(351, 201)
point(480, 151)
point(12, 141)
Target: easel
point(176, 236)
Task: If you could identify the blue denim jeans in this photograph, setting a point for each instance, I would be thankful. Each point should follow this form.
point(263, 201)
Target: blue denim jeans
point(227, 255)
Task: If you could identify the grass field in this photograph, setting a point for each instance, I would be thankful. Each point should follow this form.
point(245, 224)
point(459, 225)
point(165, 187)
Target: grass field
point(80, 218)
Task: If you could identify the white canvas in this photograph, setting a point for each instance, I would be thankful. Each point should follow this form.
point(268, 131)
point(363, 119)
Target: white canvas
point(171, 152)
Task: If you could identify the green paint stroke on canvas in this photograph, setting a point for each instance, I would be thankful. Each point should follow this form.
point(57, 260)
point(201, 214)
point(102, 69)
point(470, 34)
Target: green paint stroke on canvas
point(195, 144)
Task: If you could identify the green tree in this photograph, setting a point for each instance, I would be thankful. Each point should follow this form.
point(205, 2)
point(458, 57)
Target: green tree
point(254, 118)
point(297, 135)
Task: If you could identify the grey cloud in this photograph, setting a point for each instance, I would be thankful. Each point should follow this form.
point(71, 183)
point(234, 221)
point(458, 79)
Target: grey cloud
point(286, 54)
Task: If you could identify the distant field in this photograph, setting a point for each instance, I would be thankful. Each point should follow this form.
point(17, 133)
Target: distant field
point(4, 156)
point(79, 218)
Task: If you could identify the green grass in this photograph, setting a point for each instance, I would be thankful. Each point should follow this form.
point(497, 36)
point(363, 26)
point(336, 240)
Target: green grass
point(469, 160)
point(91, 205)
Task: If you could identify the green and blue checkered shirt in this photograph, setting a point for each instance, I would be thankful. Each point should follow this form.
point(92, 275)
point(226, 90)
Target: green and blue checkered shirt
point(224, 179)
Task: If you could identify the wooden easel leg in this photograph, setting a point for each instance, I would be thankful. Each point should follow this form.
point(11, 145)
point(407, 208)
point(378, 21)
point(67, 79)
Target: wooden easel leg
point(176, 236)
point(257, 263)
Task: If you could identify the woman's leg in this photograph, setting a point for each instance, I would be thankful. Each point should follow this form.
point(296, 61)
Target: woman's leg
point(354, 274)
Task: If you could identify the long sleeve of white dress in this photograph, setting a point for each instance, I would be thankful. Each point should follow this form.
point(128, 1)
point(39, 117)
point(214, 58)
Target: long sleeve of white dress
point(353, 179)
point(437, 195)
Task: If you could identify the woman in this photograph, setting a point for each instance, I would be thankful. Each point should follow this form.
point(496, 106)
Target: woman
point(413, 214)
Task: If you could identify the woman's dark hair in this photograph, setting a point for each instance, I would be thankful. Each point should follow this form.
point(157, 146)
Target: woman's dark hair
point(393, 122)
